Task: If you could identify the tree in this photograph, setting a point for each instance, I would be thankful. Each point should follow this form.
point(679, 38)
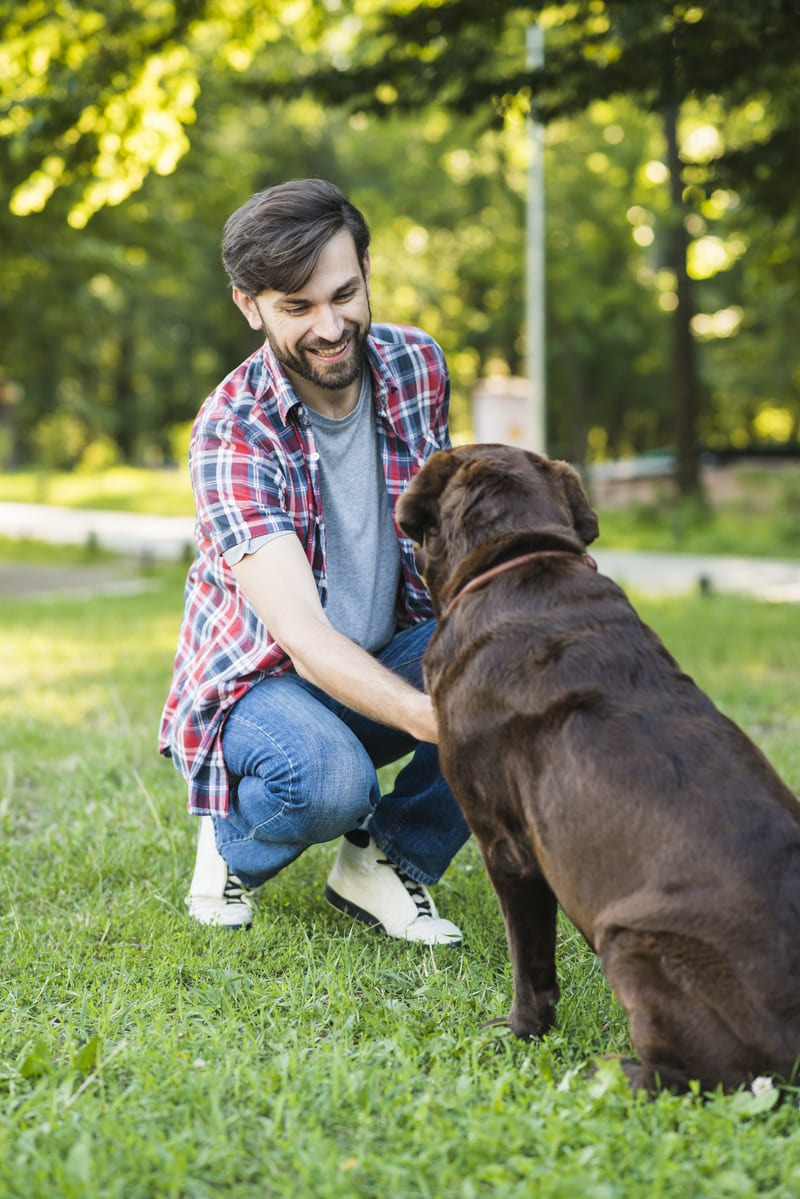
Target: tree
point(114, 307)
point(661, 53)
point(92, 99)
point(470, 56)
point(103, 268)
point(96, 96)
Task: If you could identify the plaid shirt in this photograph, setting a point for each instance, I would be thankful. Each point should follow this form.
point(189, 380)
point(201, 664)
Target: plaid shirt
point(255, 471)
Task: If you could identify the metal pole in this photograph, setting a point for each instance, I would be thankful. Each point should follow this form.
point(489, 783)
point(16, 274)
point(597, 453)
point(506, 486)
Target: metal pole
point(535, 324)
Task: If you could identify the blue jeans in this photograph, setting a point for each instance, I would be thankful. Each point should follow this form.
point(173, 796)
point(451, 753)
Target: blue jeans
point(303, 770)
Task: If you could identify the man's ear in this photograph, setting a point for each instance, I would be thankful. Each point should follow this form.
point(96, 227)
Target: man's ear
point(365, 269)
point(418, 508)
point(248, 306)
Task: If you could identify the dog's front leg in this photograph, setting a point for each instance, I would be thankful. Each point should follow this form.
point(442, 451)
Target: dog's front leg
point(529, 910)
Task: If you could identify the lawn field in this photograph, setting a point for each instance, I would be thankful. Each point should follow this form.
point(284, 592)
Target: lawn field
point(757, 517)
point(142, 1057)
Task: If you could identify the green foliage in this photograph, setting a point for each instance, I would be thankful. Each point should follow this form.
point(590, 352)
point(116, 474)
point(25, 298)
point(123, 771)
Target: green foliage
point(94, 96)
point(142, 1057)
point(134, 129)
point(59, 440)
point(759, 520)
point(659, 53)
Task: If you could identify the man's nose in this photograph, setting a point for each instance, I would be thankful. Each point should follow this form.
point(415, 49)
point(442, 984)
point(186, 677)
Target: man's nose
point(329, 324)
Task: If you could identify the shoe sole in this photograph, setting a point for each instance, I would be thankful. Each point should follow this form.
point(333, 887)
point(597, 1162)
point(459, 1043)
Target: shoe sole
point(352, 909)
point(228, 928)
point(231, 927)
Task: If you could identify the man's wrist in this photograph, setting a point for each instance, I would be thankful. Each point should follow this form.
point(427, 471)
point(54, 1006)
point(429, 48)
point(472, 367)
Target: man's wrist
point(423, 725)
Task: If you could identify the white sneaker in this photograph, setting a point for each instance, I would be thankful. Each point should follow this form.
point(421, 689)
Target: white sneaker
point(369, 887)
point(216, 896)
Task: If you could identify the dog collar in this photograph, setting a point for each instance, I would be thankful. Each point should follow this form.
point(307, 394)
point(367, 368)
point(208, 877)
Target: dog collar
point(487, 575)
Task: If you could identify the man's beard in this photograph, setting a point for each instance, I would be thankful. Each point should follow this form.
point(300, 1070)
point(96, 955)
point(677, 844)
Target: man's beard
point(333, 377)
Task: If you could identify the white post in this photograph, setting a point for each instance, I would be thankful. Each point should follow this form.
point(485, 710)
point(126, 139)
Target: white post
point(535, 324)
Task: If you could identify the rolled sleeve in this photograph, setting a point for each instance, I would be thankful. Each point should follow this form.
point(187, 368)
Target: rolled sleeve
point(240, 494)
point(250, 546)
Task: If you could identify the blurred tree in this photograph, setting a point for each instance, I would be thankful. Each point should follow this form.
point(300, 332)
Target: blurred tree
point(121, 326)
point(608, 378)
point(470, 56)
point(93, 98)
point(114, 309)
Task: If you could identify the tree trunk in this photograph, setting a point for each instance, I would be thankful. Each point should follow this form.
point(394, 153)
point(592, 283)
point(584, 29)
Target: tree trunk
point(684, 364)
point(126, 417)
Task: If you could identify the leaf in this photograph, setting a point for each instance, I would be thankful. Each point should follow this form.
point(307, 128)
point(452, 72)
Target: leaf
point(85, 1059)
point(744, 1103)
point(37, 1061)
point(78, 1162)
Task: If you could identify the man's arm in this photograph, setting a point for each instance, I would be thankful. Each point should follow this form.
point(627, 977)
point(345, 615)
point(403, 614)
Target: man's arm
point(279, 584)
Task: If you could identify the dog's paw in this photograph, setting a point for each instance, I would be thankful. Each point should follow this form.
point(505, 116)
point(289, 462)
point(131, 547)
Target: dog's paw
point(524, 1031)
point(534, 1015)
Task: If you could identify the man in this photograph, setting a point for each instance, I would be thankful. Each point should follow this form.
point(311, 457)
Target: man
point(298, 670)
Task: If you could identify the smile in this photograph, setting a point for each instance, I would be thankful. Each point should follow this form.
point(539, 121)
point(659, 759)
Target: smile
point(330, 351)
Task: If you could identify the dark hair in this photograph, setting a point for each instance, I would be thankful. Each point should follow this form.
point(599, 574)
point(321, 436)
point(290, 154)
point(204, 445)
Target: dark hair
point(273, 242)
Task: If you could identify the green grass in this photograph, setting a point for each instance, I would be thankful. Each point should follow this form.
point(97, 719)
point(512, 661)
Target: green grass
point(122, 488)
point(760, 521)
point(745, 528)
point(23, 550)
point(759, 518)
point(142, 1057)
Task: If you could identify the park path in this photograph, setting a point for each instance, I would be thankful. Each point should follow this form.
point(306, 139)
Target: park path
point(144, 539)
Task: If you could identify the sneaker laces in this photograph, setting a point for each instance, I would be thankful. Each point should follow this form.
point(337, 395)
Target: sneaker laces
point(416, 890)
point(236, 892)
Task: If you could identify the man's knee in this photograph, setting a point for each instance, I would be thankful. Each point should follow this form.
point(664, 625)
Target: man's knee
point(329, 790)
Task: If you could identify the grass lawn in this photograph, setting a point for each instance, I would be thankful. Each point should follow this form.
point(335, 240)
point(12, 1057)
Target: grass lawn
point(121, 488)
point(142, 1057)
point(760, 520)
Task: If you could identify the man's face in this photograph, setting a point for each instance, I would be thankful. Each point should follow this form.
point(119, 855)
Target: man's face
point(319, 334)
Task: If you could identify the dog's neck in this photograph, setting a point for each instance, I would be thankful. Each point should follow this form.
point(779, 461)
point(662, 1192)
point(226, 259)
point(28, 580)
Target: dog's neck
point(476, 581)
point(511, 544)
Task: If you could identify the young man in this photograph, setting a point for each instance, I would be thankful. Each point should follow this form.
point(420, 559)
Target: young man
point(298, 670)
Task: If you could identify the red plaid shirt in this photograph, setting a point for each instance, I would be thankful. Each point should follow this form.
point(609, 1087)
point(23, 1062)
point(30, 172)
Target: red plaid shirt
point(255, 471)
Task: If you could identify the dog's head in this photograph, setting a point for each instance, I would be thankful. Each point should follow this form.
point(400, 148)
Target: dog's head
point(469, 499)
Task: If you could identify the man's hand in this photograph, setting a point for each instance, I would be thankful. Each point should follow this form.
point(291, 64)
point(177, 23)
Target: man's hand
point(279, 583)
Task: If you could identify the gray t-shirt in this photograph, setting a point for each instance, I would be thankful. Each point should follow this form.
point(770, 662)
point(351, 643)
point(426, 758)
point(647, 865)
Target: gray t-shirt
point(363, 555)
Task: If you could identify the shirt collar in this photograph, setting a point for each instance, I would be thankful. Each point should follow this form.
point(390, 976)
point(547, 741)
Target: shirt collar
point(274, 379)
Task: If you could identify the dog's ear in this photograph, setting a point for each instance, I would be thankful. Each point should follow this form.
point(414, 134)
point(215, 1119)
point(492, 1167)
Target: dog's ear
point(583, 515)
point(418, 508)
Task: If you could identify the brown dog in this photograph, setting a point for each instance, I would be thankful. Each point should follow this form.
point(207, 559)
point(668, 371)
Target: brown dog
point(595, 774)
